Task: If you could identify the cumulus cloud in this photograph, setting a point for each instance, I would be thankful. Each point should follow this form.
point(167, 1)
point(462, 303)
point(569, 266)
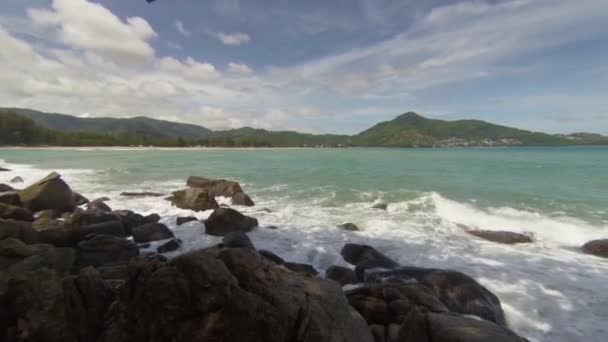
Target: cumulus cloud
point(189, 68)
point(240, 69)
point(182, 29)
point(92, 27)
point(232, 39)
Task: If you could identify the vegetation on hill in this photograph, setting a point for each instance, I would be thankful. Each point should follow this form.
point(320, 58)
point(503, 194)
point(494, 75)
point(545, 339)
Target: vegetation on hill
point(32, 128)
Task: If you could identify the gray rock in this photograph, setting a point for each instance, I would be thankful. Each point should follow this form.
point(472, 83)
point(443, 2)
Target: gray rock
point(141, 194)
point(10, 197)
point(169, 246)
point(222, 187)
point(49, 193)
point(151, 232)
point(225, 220)
point(597, 248)
point(16, 180)
point(99, 205)
point(359, 255)
point(271, 257)
point(5, 187)
point(303, 269)
point(349, 226)
point(12, 212)
point(100, 250)
point(193, 199)
point(182, 220)
point(381, 206)
point(237, 240)
point(504, 237)
point(342, 275)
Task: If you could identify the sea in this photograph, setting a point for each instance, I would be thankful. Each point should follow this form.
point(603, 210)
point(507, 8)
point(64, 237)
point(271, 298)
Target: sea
point(549, 289)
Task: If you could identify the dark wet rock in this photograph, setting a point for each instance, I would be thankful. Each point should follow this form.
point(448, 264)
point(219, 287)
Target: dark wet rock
point(222, 187)
point(303, 269)
point(12, 212)
point(106, 250)
point(380, 206)
point(459, 292)
point(193, 199)
point(151, 232)
point(16, 180)
point(597, 248)
point(271, 227)
point(229, 295)
point(182, 220)
point(349, 226)
point(152, 218)
point(4, 169)
point(505, 237)
point(49, 193)
point(99, 205)
point(169, 246)
point(18, 230)
point(141, 194)
point(363, 255)
point(342, 275)
point(144, 245)
point(14, 248)
point(129, 219)
point(5, 187)
point(79, 199)
point(225, 220)
point(89, 217)
point(69, 236)
point(10, 197)
point(268, 255)
point(237, 240)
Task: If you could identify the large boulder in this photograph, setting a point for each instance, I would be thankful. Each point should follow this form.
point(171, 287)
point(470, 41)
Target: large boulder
point(597, 247)
point(366, 257)
point(225, 220)
point(349, 226)
point(151, 232)
point(193, 199)
point(83, 218)
point(10, 197)
point(18, 230)
point(70, 236)
point(229, 295)
point(342, 275)
point(102, 250)
point(237, 240)
point(49, 193)
point(8, 211)
point(457, 291)
point(79, 199)
point(129, 219)
point(222, 187)
point(99, 204)
point(504, 237)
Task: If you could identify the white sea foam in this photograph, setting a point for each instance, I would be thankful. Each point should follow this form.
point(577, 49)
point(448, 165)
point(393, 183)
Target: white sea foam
point(549, 290)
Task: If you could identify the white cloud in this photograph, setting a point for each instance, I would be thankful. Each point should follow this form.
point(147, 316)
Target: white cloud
point(240, 69)
point(182, 29)
point(232, 39)
point(190, 68)
point(92, 27)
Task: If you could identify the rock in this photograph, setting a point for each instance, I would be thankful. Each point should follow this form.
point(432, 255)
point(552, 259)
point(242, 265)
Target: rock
point(8, 211)
point(89, 217)
point(193, 199)
point(68, 236)
point(141, 194)
point(14, 248)
point(4, 170)
point(49, 193)
point(501, 236)
point(152, 218)
point(271, 257)
point(225, 220)
point(169, 246)
point(271, 227)
point(237, 240)
point(381, 206)
point(151, 232)
point(16, 180)
point(342, 275)
point(221, 187)
point(229, 295)
point(459, 292)
point(10, 197)
point(5, 188)
point(303, 269)
point(79, 199)
point(101, 250)
point(360, 255)
point(597, 248)
point(99, 205)
point(349, 226)
point(129, 219)
point(18, 230)
point(182, 220)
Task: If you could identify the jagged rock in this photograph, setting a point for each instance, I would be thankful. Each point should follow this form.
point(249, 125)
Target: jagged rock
point(457, 291)
point(229, 295)
point(221, 187)
point(303, 269)
point(141, 194)
point(193, 199)
point(225, 220)
point(182, 220)
point(49, 193)
point(10, 197)
point(151, 232)
point(597, 248)
point(237, 240)
point(79, 199)
point(99, 205)
point(18, 230)
point(12, 212)
point(16, 180)
point(342, 275)
point(366, 257)
point(271, 257)
point(381, 206)
point(505, 237)
point(349, 226)
point(169, 246)
point(102, 250)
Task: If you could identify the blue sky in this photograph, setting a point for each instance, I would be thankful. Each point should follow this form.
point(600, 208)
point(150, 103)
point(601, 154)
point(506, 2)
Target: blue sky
point(316, 66)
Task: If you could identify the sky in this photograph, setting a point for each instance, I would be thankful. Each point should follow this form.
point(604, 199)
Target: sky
point(317, 66)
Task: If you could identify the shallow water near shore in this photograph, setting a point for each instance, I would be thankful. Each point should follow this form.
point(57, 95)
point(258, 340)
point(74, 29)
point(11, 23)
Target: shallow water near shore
point(549, 290)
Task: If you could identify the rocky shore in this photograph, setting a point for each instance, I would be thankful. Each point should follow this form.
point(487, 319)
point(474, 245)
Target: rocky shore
point(77, 270)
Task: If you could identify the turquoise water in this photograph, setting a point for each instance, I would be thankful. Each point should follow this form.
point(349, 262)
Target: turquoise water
point(550, 291)
point(552, 181)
